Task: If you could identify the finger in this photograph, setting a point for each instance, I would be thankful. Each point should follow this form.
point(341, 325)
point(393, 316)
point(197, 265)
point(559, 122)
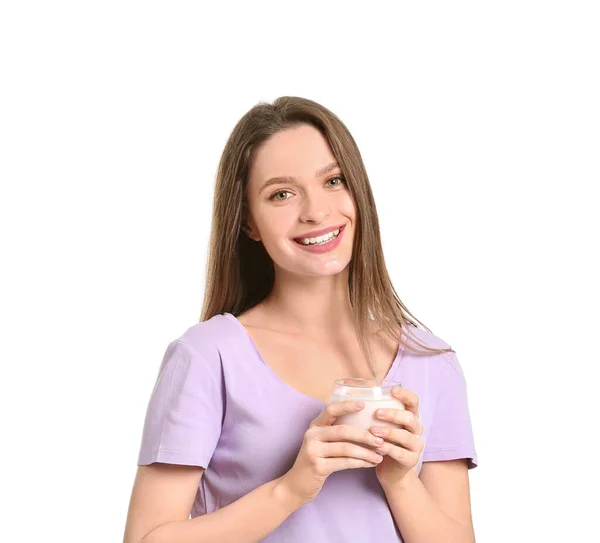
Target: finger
point(401, 437)
point(401, 417)
point(402, 456)
point(339, 464)
point(346, 432)
point(408, 398)
point(350, 450)
point(337, 409)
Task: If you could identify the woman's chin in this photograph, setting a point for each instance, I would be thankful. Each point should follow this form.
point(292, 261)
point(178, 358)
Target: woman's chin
point(322, 269)
point(313, 265)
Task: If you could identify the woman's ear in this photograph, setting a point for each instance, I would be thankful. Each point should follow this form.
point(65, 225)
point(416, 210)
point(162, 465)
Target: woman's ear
point(250, 231)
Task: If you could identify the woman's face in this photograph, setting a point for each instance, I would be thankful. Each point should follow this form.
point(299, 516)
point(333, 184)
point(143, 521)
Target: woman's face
point(287, 215)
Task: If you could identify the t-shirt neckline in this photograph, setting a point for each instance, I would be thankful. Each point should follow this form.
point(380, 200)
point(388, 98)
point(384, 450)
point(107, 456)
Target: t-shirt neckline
point(278, 379)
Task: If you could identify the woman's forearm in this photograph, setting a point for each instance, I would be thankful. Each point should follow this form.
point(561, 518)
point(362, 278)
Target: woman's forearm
point(247, 520)
point(418, 516)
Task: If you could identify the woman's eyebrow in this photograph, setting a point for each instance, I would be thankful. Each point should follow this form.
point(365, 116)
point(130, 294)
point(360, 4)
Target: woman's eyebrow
point(290, 180)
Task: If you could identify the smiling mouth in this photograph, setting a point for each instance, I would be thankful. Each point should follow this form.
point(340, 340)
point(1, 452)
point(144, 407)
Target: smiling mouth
point(320, 240)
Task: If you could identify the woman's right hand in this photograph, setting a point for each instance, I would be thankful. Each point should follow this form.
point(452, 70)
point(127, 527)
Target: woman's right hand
point(325, 449)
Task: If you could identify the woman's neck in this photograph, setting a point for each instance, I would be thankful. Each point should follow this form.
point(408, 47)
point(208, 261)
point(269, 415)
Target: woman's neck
point(311, 305)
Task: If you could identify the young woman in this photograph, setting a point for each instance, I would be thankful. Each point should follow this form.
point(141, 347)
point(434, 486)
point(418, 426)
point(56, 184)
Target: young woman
point(239, 429)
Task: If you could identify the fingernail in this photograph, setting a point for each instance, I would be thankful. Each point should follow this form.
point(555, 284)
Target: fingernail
point(360, 403)
point(378, 441)
point(397, 389)
point(381, 412)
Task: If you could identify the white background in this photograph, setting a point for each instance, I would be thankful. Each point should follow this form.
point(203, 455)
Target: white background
point(478, 123)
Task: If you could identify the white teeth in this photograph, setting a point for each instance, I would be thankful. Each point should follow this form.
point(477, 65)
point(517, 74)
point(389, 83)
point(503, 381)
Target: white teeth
point(320, 239)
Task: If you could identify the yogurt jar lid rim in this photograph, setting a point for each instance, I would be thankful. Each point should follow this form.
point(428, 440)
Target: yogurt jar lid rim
point(361, 380)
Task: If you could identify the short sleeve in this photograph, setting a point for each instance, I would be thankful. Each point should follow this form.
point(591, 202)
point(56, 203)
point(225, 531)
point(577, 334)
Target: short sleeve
point(185, 412)
point(451, 434)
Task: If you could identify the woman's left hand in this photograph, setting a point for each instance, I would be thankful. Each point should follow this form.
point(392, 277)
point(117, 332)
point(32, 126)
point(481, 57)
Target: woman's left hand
point(402, 454)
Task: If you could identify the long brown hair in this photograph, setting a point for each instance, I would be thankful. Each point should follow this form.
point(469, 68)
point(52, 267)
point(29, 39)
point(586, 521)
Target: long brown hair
point(240, 272)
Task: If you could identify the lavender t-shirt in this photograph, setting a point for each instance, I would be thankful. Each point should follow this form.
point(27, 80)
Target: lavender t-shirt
point(218, 405)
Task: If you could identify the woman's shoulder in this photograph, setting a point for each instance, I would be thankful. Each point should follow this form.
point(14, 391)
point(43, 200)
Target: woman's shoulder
point(433, 363)
point(426, 337)
point(208, 337)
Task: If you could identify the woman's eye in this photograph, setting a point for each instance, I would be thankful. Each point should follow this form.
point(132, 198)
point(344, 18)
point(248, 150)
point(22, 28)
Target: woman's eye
point(275, 195)
point(339, 178)
point(282, 195)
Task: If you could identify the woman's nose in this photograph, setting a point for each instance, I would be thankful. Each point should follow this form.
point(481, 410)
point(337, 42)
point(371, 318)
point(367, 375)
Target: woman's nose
point(315, 209)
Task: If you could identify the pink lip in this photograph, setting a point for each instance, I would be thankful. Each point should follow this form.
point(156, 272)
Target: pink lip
point(325, 248)
point(317, 233)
